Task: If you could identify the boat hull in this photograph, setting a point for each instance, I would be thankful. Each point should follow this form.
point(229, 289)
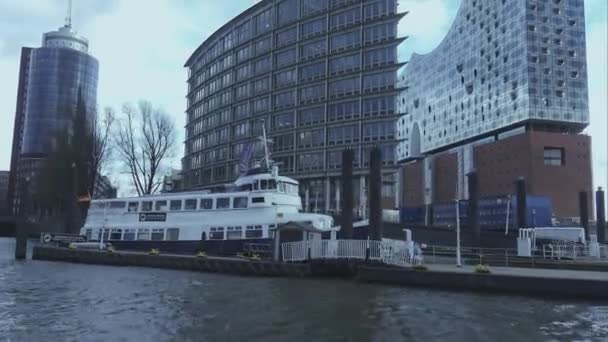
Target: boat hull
point(211, 247)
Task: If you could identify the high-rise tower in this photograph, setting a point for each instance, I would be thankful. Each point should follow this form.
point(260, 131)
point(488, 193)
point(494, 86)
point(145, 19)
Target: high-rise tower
point(52, 80)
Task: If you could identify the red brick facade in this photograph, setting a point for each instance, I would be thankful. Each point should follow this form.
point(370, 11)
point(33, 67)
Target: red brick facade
point(500, 163)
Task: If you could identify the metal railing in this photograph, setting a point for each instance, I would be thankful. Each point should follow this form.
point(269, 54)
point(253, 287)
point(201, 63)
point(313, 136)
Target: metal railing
point(393, 252)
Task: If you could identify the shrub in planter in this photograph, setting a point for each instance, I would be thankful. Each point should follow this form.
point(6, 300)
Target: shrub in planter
point(484, 269)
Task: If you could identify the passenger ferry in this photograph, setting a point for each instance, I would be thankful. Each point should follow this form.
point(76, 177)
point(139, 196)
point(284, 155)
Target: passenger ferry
point(246, 211)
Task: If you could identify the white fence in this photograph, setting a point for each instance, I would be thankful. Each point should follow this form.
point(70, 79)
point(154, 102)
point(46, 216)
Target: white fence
point(573, 251)
point(393, 252)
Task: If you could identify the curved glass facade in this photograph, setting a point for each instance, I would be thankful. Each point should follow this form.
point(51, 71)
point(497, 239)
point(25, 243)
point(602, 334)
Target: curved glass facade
point(57, 77)
point(503, 64)
point(319, 74)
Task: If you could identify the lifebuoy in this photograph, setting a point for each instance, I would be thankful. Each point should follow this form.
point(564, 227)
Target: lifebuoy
point(47, 238)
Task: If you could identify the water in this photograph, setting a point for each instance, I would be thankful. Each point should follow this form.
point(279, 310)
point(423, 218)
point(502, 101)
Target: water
point(42, 301)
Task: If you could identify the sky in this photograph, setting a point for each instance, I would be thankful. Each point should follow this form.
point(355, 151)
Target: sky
point(142, 46)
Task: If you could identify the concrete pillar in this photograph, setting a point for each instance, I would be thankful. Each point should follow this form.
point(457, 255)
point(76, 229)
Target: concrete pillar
point(307, 199)
point(338, 196)
point(473, 211)
point(346, 219)
point(521, 203)
point(277, 245)
point(584, 212)
point(600, 215)
point(362, 198)
point(375, 193)
point(21, 240)
point(398, 188)
point(327, 194)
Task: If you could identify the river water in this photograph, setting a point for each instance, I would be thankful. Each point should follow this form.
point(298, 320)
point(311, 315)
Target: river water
point(47, 301)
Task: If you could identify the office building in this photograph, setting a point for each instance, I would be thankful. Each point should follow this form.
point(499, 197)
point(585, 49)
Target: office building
point(505, 95)
point(319, 74)
point(52, 79)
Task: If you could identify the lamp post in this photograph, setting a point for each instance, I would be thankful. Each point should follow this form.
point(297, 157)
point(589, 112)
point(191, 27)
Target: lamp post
point(458, 263)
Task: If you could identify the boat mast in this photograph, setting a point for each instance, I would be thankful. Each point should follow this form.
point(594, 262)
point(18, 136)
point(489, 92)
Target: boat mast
point(266, 155)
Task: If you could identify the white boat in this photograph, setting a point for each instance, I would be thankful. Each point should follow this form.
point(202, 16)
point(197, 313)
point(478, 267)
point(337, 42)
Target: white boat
point(247, 210)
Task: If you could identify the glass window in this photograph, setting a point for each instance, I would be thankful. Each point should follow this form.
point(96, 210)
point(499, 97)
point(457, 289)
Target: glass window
point(311, 116)
point(146, 206)
point(133, 206)
point(263, 21)
point(346, 134)
point(379, 8)
point(343, 64)
point(257, 200)
point(172, 234)
point(129, 235)
point(287, 36)
point(385, 80)
point(160, 205)
point(310, 161)
point(263, 45)
point(313, 6)
point(287, 11)
point(243, 72)
point(312, 71)
point(348, 86)
point(285, 78)
point(244, 31)
point(284, 99)
point(311, 138)
point(190, 204)
point(223, 203)
point(285, 57)
point(143, 234)
point(313, 49)
point(345, 40)
point(243, 53)
point(253, 232)
point(261, 105)
point(234, 233)
point(241, 111)
point(312, 93)
point(262, 65)
point(158, 234)
point(176, 205)
point(283, 142)
point(346, 18)
point(206, 203)
point(344, 110)
point(378, 106)
point(283, 121)
point(118, 205)
point(216, 233)
point(261, 85)
point(554, 156)
point(240, 202)
point(115, 234)
point(383, 56)
point(314, 27)
point(380, 32)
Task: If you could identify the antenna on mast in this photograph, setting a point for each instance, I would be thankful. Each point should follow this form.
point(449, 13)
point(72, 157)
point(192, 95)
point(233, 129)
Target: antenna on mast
point(68, 17)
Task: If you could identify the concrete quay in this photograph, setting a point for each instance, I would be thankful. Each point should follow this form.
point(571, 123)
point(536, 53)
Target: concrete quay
point(575, 285)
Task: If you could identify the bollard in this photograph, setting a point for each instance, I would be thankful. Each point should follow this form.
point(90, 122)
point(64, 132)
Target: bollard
point(21, 241)
point(521, 203)
point(600, 215)
point(346, 231)
point(375, 193)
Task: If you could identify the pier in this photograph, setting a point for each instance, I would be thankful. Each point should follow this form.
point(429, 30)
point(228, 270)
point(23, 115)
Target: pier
point(575, 285)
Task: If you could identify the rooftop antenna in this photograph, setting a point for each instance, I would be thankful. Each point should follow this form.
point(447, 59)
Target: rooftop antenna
point(68, 17)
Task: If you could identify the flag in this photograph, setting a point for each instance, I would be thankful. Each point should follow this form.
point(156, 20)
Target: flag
point(245, 158)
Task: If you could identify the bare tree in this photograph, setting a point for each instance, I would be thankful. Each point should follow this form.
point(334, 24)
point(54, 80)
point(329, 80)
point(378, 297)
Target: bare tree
point(144, 139)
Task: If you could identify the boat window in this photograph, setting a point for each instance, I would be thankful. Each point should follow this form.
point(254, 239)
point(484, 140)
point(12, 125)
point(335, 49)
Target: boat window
point(172, 234)
point(117, 204)
point(234, 233)
point(129, 235)
point(206, 203)
point(158, 234)
point(257, 200)
point(281, 187)
point(106, 234)
point(240, 202)
point(133, 206)
point(263, 184)
point(190, 204)
point(146, 206)
point(176, 205)
point(98, 205)
point(216, 233)
point(253, 232)
point(116, 234)
point(272, 184)
point(143, 234)
point(89, 234)
point(160, 205)
point(246, 187)
point(223, 203)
